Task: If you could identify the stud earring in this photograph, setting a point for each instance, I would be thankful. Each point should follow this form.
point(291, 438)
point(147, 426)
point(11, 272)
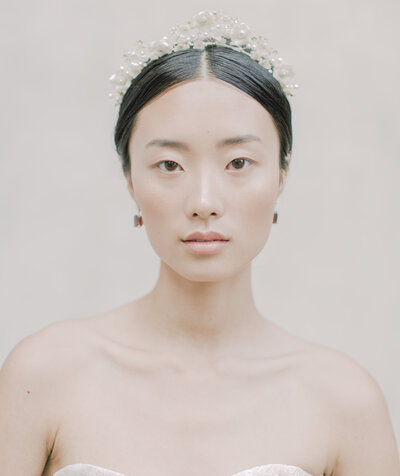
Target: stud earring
point(275, 217)
point(138, 219)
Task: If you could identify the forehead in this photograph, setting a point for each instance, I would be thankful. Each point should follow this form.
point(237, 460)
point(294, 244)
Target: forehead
point(206, 107)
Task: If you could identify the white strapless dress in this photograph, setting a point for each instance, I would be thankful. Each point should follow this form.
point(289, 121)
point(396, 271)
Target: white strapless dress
point(84, 469)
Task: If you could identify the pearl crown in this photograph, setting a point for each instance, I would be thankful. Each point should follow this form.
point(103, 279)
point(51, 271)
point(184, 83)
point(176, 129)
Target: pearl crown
point(205, 28)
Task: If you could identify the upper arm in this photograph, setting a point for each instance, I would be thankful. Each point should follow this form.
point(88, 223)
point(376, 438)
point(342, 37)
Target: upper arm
point(367, 444)
point(25, 426)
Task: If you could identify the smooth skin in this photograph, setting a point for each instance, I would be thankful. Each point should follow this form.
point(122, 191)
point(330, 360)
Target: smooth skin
point(191, 379)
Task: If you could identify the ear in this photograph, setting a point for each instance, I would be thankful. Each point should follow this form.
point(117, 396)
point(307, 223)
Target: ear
point(283, 175)
point(129, 183)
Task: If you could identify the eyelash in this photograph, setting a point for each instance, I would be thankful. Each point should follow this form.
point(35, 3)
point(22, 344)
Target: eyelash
point(173, 162)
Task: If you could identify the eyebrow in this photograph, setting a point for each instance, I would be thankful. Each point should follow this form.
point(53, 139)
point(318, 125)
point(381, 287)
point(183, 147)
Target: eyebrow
point(220, 144)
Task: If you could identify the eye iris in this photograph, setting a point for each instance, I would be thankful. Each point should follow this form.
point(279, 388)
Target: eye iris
point(170, 165)
point(238, 161)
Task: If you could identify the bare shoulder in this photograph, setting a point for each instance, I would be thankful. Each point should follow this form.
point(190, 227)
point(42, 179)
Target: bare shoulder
point(340, 380)
point(30, 386)
point(43, 362)
point(64, 346)
point(345, 383)
point(50, 349)
point(60, 348)
point(357, 410)
point(39, 365)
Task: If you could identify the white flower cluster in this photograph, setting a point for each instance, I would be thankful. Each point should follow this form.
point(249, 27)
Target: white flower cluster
point(205, 28)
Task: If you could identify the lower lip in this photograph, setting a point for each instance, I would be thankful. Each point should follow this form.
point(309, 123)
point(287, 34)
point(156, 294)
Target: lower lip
point(205, 247)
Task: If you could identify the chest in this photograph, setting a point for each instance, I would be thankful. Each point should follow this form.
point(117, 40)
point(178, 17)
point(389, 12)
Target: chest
point(168, 421)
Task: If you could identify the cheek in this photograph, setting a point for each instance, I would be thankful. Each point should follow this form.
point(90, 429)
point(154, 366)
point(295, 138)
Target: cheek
point(256, 203)
point(154, 199)
point(254, 215)
point(153, 205)
point(160, 210)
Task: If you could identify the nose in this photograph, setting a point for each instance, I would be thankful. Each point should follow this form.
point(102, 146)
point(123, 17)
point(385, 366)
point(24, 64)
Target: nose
point(204, 196)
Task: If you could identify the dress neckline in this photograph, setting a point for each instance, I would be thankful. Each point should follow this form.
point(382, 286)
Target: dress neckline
point(253, 471)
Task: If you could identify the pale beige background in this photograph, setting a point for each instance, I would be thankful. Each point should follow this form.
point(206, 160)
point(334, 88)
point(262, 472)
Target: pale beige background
point(329, 271)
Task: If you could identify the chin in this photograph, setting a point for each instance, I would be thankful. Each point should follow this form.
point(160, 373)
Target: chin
point(207, 271)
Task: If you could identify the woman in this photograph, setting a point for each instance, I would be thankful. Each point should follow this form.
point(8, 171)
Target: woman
point(191, 378)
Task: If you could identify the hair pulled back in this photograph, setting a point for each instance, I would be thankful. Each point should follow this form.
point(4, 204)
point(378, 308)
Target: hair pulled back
point(215, 61)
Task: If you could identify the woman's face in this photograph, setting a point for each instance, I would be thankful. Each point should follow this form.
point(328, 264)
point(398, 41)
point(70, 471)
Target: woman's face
point(187, 175)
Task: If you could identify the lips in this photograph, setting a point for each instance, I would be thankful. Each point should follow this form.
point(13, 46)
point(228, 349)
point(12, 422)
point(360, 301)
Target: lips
point(208, 236)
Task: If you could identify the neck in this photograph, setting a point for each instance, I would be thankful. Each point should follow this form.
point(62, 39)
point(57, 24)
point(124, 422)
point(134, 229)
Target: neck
point(201, 316)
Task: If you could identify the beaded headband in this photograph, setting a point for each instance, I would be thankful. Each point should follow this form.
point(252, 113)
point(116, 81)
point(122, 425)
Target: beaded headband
point(205, 28)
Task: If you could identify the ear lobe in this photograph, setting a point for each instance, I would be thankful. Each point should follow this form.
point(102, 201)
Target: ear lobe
point(129, 184)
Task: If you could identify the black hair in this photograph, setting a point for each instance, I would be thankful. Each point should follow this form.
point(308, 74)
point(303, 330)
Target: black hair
point(221, 62)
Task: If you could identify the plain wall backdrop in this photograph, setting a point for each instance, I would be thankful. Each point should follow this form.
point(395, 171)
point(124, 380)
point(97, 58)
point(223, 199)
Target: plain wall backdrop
point(330, 269)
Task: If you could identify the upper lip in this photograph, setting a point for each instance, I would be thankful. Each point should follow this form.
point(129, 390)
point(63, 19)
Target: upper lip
point(209, 236)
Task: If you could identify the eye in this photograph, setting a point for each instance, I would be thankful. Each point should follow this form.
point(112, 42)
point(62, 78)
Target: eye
point(170, 165)
point(239, 163)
